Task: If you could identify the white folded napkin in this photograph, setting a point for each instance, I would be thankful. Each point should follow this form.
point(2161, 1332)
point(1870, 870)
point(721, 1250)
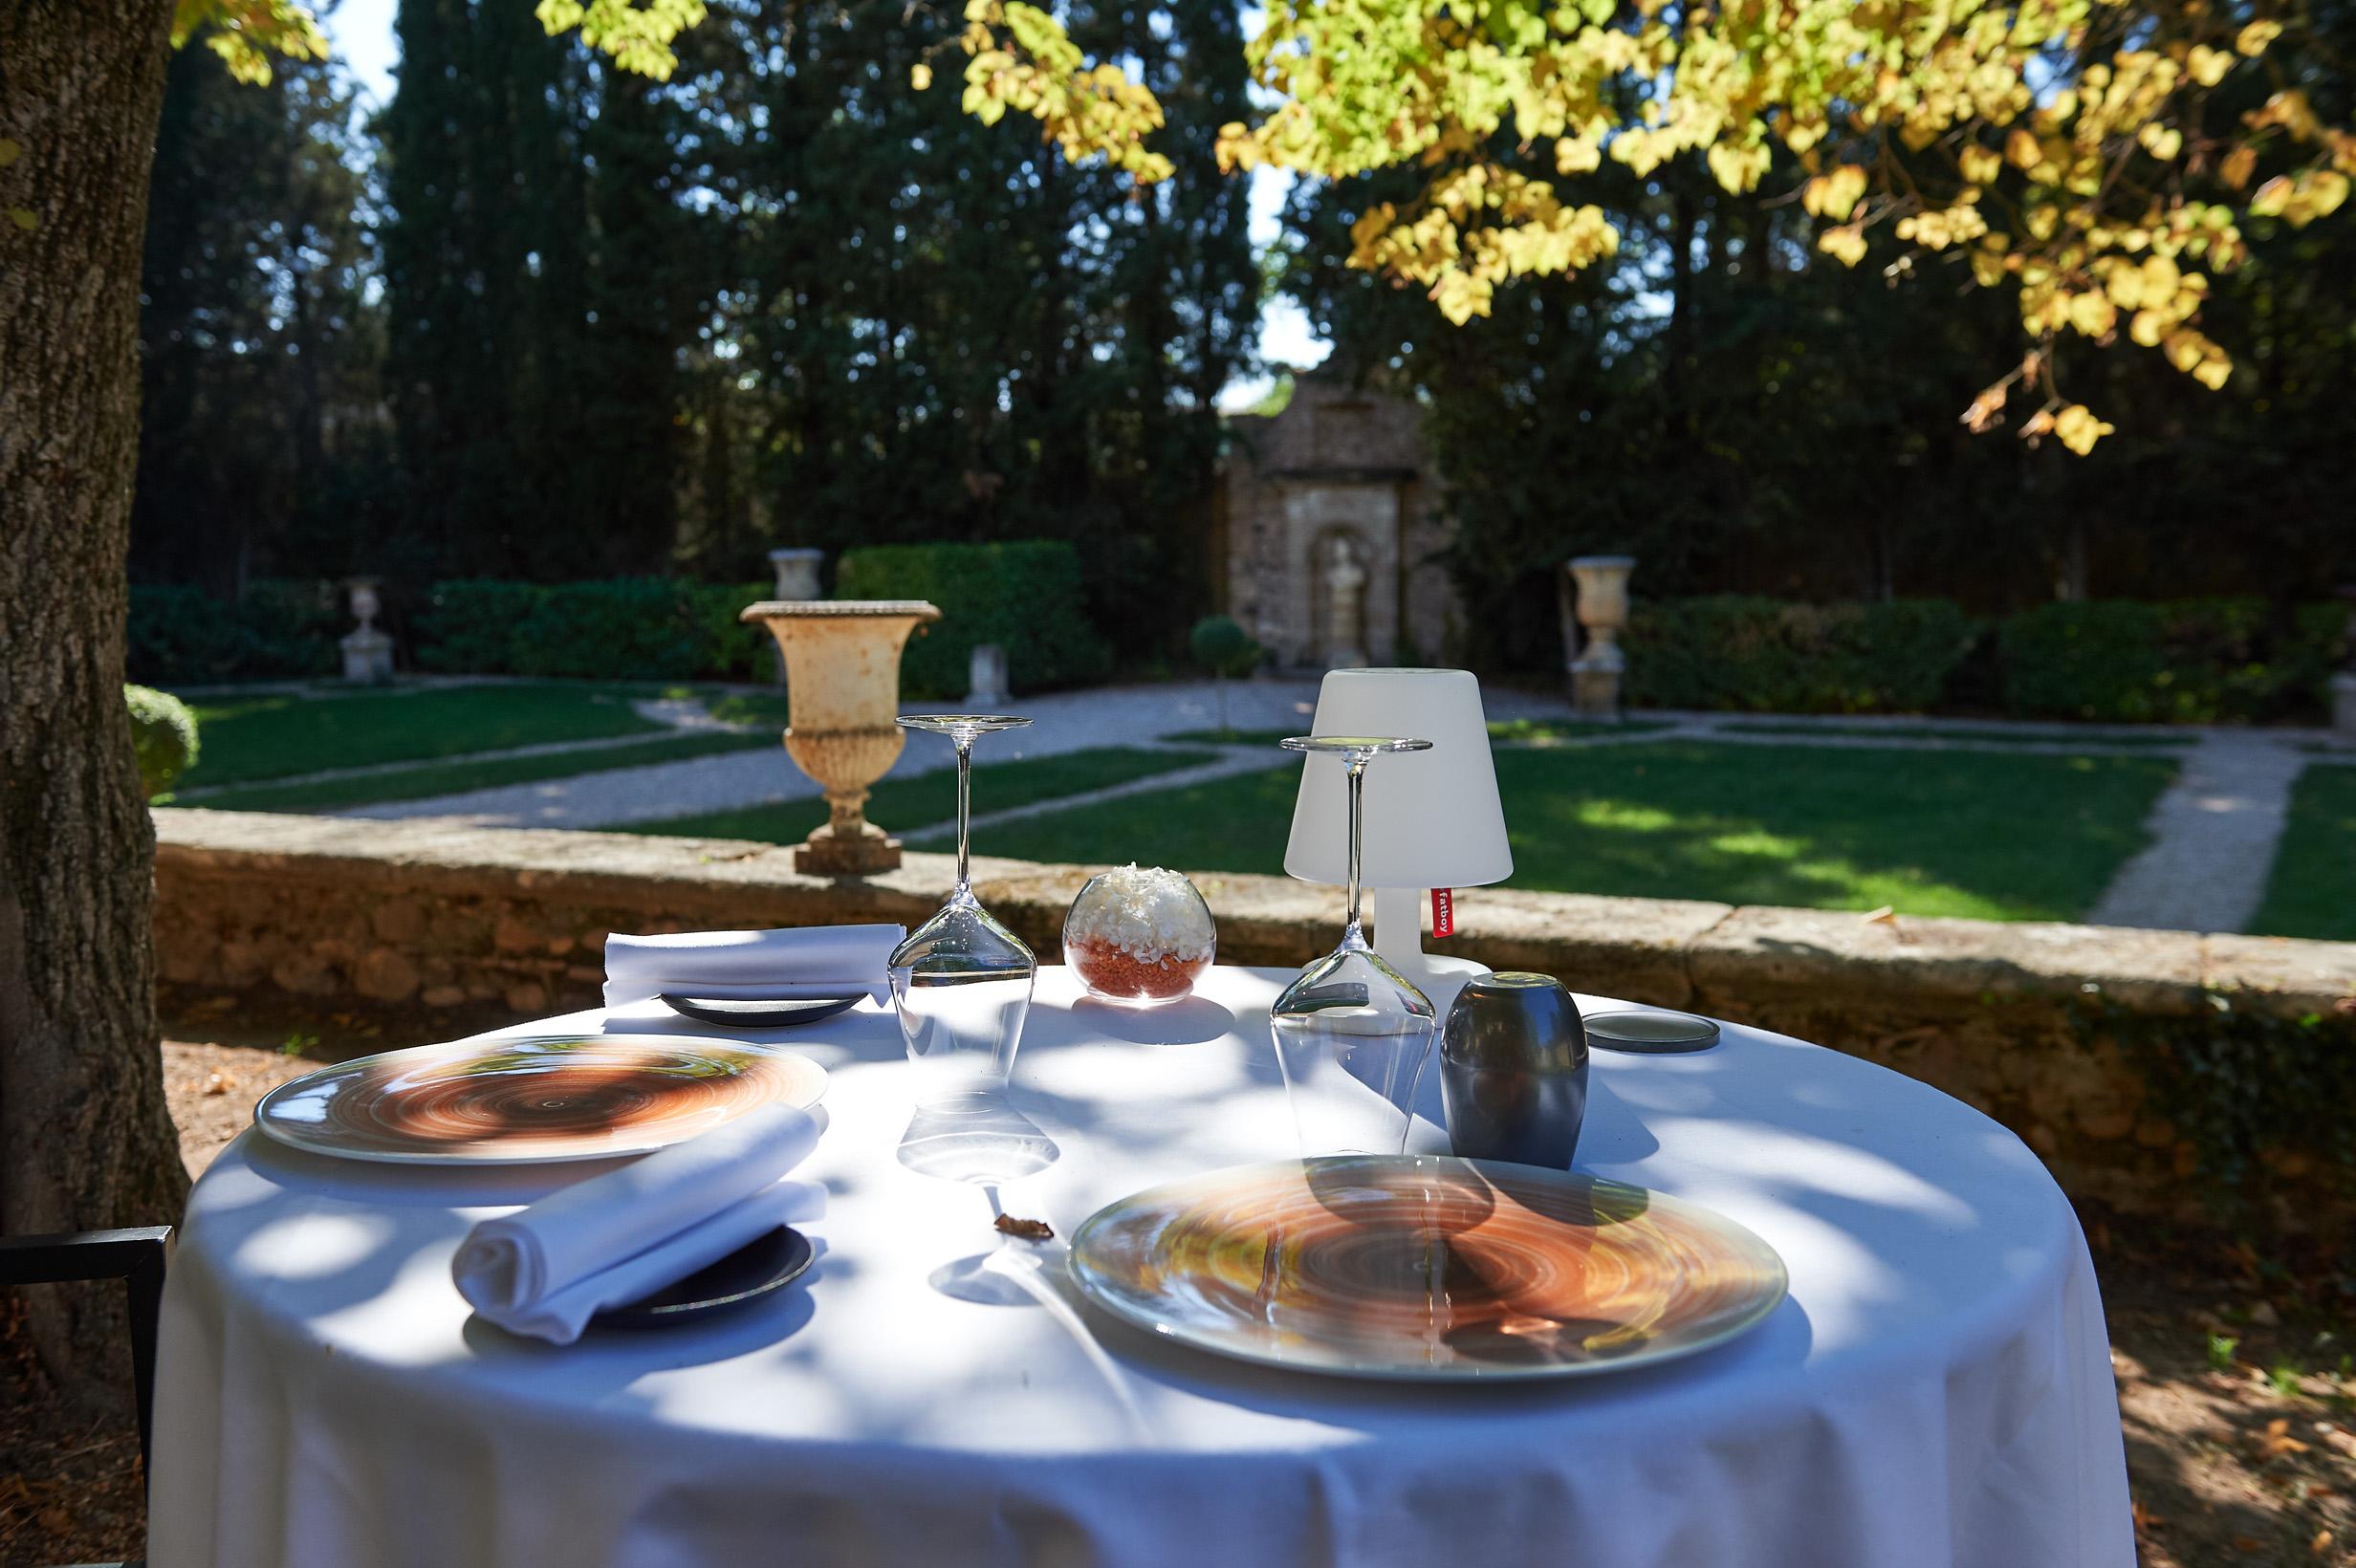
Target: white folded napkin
point(752, 965)
point(546, 1268)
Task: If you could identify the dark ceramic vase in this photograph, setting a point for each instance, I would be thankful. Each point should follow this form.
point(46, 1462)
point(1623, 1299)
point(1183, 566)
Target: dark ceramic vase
point(1513, 1071)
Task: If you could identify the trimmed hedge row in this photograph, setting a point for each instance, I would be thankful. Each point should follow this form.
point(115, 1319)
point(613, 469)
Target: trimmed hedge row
point(1025, 595)
point(279, 630)
point(2107, 660)
point(2191, 661)
point(626, 628)
point(1771, 655)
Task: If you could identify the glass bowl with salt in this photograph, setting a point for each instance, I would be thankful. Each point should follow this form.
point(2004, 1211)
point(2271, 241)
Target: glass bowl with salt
point(1139, 936)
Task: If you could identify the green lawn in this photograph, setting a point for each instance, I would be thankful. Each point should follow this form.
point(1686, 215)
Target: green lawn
point(2000, 837)
point(922, 799)
point(245, 739)
point(2060, 735)
point(2312, 892)
point(1499, 729)
point(433, 779)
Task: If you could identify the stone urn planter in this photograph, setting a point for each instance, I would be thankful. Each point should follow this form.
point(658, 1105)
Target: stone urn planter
point(842, 670)
point(1602, 608)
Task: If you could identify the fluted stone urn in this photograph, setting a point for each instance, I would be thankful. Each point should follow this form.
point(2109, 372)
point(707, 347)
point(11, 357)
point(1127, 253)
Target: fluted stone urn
point(1602, 609)
point(843, 691)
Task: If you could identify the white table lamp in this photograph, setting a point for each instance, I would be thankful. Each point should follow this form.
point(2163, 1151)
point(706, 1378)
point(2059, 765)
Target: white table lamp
point(1433, 818)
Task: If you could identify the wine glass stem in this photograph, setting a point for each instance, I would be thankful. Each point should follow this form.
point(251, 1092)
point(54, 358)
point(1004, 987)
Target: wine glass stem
point(965, 814)
point(1351, 935)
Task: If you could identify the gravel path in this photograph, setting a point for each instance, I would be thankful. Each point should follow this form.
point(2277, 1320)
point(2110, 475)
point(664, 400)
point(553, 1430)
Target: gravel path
point(1062, 722)
point(2214, 836)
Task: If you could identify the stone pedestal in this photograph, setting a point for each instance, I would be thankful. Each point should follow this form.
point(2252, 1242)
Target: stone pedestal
point(798, 582)
point(843, 661)
point(798, 572)
point(2343, 703)
point(986, 680)
point(367, 652)
point(367, 656)
point(1601, 610)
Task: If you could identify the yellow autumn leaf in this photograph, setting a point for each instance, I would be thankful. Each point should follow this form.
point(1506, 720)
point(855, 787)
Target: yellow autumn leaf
point(1847, 243)
point(2092, 315)
point(2236, 168)
point(2253, 38)
point(920, 76)
point(2079, 428)
point(1981, 164)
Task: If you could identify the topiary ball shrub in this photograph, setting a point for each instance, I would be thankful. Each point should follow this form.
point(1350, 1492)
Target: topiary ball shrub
point(1223, 647)
point(163, 735)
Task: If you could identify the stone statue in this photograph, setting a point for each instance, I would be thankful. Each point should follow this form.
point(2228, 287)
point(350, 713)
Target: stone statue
point(1345, 599)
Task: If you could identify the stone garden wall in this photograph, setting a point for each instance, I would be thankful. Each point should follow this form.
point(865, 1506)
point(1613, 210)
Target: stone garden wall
point(2164, 1073)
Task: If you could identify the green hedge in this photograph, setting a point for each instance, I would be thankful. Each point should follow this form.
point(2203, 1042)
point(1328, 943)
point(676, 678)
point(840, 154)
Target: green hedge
point(626, 628)
point(1769, 655)
point(1025, 595)
point(2189, 662)
point(278, 630)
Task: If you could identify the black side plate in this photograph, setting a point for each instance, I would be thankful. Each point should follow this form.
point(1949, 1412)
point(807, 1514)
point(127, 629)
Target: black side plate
point(731, 1013)
point(765, 1265)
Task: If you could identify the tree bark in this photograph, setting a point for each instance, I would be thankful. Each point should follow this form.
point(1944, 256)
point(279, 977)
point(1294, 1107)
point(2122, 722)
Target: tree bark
point(85, 1139)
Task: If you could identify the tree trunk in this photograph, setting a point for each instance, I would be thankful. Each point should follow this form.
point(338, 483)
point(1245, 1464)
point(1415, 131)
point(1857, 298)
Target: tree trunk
point(85, 1139)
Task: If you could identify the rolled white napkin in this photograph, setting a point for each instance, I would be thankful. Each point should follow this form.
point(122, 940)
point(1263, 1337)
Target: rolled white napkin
point(546, 1268)
point(752, 965)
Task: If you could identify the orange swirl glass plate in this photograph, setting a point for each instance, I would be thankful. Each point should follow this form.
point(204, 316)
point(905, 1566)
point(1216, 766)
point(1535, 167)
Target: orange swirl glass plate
point(1425, 1267)
point(524, 1100)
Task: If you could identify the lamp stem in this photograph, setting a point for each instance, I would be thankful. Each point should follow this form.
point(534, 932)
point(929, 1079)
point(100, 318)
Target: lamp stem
point(1351, 935)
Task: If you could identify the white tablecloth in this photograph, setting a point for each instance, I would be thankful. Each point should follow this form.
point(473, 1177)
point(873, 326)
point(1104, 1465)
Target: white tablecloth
point(1937, 1390)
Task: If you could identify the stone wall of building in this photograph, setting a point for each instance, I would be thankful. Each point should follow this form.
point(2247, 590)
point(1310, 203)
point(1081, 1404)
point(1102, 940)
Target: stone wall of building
point(2107, 1050)
point(1340, 464)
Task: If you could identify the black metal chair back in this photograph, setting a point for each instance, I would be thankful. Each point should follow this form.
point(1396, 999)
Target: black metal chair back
point(137, 1258)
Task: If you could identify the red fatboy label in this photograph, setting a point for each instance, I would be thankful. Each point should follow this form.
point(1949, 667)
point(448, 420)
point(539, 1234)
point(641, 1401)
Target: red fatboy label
point(1443, 911)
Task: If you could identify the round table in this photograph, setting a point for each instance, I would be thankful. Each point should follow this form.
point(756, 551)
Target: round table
point(1935, 1390)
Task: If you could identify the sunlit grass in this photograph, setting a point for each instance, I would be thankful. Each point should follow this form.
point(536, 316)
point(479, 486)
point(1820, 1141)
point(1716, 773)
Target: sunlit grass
point(277, 734)
point(2312, 891)
point(922, 799)
point(1990, 836)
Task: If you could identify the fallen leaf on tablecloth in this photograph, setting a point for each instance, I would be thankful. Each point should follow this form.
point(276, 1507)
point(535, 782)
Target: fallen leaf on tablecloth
point(2145, 1518)
point(1883, 916)
point(218, 1083)
point(1028, 1229)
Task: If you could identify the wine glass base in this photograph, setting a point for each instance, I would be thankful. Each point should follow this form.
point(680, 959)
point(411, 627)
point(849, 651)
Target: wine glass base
point(976, 1138)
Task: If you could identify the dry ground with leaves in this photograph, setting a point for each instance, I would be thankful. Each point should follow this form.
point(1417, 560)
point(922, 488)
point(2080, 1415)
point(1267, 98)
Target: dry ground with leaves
point(2236, 1382)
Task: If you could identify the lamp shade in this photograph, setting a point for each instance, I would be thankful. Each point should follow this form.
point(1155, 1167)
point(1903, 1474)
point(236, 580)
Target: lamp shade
point(1432, 818)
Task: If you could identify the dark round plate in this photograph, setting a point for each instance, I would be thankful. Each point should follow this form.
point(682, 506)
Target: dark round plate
point(761, 1267)
point(783, 1012)
point(1650, 1032)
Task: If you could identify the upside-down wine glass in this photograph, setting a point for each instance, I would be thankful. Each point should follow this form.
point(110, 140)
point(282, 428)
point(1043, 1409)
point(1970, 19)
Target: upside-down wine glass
point(961, 987)
point(1352, 1032)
